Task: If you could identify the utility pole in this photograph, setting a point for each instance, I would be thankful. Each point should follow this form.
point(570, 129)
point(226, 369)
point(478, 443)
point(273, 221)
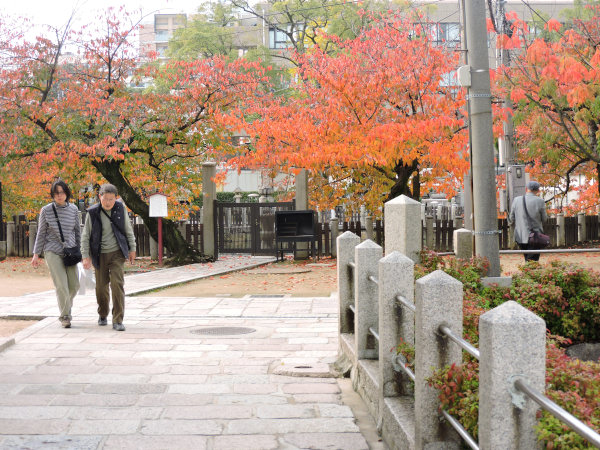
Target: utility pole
point(482, 153)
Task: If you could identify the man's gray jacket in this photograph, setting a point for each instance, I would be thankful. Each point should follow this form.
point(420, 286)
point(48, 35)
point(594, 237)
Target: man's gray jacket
point(537, 211)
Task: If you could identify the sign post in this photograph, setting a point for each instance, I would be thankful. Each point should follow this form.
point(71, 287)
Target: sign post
point(158, 208)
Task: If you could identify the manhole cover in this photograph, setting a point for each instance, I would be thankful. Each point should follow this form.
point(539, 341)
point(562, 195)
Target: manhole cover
point(223, 331)
point(267, 295)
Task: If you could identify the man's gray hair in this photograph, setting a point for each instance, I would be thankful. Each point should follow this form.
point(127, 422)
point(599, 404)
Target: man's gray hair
point(108, 189)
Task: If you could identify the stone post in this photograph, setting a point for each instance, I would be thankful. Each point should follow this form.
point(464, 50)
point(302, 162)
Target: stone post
point(429, 236)
point(32, 236)
point(209, 194)
point(301, 204)
point(458, 222)
point(581, 231)
point(462, 241)
point(345, 275)
point(153, 249)
point(438, 301)
point(10, 238)
point(333, 226)
point(560, 229)
point(238, 198)
point(369, 227)
point(512, 342)
point(396, 323)
point(366, 257)
point(402, 228)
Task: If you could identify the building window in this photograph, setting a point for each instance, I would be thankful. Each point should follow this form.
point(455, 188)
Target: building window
point(443, 33)
point(279, 38)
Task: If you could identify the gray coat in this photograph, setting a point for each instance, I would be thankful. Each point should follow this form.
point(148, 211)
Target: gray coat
point(537, 211)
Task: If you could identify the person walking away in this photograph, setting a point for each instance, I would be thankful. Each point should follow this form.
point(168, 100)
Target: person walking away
point(107, 241)
point(48, 243)
point(536, 207)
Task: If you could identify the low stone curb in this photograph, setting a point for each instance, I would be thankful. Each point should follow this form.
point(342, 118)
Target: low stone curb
point(8, 341)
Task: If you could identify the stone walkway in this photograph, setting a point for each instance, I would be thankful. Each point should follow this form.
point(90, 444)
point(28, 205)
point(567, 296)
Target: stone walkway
point(180, 377)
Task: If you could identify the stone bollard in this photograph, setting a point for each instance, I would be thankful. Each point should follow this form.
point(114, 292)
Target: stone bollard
point(512, 343)
point(402, 228)
point(560, 229)
point(32, 236)
point(581, 231)
point(462, 242)
point(10, 238)
point(429, 236)
point(345, 275)
point(396, 323)
point(458, 222)
point(366, 258)
point(333, 227)
point(369, 227)
point(438, 301)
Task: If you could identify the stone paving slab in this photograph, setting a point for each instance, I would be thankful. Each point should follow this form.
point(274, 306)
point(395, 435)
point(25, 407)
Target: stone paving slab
point(161, 385)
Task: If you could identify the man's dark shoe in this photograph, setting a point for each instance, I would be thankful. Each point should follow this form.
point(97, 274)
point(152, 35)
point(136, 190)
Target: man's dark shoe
point(118, 327)
point(102, 321)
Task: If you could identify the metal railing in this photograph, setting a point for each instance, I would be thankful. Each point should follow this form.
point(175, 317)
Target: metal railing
point(571, 421)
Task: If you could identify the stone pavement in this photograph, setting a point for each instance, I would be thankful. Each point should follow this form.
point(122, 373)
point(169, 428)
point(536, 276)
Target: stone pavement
point(179, 377)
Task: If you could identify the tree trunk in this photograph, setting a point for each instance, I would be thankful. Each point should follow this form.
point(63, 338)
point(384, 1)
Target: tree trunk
point(181, 251)
point(403, 173)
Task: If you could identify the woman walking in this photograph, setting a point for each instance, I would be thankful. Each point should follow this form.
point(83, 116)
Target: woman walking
point(49, 242)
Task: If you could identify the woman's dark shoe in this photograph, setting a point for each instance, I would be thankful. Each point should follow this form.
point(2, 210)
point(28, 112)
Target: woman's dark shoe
point(65, 321)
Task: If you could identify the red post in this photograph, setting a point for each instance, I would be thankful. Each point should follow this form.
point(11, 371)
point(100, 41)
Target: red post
point(160, 242)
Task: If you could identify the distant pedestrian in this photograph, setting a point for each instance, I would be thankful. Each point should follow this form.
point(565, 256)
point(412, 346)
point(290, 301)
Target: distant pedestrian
point(536, 208)
point(107, 242)
point(48, 242)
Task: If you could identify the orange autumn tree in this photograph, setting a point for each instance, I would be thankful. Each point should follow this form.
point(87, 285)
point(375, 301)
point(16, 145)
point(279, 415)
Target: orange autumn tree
point(554, 82)
point(365, 120)
point(76, 116)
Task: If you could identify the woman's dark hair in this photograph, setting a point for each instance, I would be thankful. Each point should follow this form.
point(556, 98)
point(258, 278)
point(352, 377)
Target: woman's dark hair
point(64, 187)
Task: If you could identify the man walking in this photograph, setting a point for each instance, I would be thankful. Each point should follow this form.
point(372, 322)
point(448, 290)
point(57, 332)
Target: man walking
point(106, 242)
point(536, 208)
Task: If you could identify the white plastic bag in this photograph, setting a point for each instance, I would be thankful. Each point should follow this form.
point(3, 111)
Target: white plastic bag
point(86, 279)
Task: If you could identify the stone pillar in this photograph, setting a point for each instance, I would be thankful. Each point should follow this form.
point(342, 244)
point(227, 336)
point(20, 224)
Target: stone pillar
point(10, 238)
point(153, 249)
point(396, 323)
point(333, 226)
point(32, 236)
point(209, 195)
point(462, 242)
point(429, 236)
point(403, 229)
point(581, 231)
point(302, 204)
point(366, 257)
point(369, 227)
point(438, 301)
point(458, 222)
point(560, 229)
point(345, 275)
point(512, 342)
point(302, 190)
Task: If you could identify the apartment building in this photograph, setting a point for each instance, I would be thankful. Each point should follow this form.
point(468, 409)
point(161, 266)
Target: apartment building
point(154, 37)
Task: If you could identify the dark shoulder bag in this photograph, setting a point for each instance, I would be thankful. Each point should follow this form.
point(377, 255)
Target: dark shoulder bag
point(71, 255)
point(536, 240)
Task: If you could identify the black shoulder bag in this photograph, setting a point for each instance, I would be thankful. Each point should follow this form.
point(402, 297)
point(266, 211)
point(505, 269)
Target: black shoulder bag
point(71, 255)
point(536, 239)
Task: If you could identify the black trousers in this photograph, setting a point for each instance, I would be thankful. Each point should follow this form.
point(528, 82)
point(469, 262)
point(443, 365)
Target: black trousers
point(529, 256)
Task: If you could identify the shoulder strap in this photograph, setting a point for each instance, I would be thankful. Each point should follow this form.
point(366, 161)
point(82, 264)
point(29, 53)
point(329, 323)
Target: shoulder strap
point(527, 215)
point(62, 238)
point(113, 222)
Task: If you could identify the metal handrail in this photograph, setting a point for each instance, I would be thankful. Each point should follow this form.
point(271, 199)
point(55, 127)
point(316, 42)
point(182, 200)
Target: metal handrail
point(465, 345)
point(352, 264)
point(576, 425)
point(352, 308)
point(404, 302)
point(523, 252)
point(373, 279)
point(461, 430)
point(374, 332)
point(399, 365)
